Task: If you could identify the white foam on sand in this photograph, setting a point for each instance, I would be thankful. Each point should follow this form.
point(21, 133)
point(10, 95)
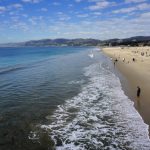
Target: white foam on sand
point(100, 117)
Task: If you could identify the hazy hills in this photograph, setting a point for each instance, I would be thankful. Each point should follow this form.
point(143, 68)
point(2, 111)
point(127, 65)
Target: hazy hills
point(133, 41)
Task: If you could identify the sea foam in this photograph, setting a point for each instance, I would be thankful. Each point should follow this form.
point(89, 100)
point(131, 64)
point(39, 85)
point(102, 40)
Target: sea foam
point(100, 117)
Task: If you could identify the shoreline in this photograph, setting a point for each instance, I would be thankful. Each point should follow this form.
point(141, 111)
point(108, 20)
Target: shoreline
point(134, 73)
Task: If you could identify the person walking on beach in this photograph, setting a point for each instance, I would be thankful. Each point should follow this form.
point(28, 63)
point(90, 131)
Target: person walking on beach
point(138, 91)
point(123, 59)
point(133, 59)
point(115, 61)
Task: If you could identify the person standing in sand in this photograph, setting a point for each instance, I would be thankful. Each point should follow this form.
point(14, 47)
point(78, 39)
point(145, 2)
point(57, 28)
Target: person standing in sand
point(138, 91)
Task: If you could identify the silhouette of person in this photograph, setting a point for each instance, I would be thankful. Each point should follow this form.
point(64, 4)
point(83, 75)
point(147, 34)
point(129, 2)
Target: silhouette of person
point(138, 91)
point(116, 60)
point(133, 59)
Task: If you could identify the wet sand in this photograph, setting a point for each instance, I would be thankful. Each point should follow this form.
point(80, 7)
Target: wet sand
point(136, 73)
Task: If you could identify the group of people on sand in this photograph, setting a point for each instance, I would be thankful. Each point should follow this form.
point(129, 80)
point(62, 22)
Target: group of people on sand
point(124, 60)
point(138, 88)
point(142, 53)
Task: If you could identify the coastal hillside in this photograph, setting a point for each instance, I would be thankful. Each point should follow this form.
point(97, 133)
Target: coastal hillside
point(56, 42)
point(132, 41)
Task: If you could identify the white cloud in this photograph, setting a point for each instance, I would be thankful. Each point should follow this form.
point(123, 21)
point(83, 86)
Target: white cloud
point(15, 19)
point(100, 29)
point(17, 5)
point(2, 9)
point(89, 24)
point(145, 15)
point(103, 29)
point(64, 18)
point(44, 9)
point(78, 1)
point(101, 5)
point(60, 13)
point(20, 26)
point(10, 8)
point(70, 5)
point(97, 13)
point(82, 15)
point(96, 0)
point(134, 1)
point(31, 1)
point(32, 21)
point(56, 3)
point(125, 10)
point(25, 15)
point(142, 6)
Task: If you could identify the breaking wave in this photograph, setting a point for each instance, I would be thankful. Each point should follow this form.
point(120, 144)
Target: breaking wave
point(100, 117)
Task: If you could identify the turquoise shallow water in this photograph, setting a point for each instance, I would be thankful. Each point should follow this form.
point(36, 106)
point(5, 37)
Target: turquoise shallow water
point(62, 98)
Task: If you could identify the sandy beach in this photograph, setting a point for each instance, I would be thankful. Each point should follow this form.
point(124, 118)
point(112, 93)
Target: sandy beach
point(134, 64)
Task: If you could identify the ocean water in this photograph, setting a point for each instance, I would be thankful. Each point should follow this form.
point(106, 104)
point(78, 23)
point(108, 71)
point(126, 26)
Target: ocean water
point(62, 98)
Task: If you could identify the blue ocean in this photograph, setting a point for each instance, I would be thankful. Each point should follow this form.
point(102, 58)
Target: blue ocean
point(65, 98)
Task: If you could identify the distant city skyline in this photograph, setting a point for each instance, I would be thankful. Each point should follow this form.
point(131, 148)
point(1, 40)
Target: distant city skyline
point(23, 20)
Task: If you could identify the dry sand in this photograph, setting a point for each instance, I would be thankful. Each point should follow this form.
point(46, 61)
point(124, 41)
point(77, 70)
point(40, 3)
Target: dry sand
point(136, 72)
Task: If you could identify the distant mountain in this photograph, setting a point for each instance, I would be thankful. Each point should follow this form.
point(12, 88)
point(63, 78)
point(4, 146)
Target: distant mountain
point(139, 38)
point(56, 42)
point(133, 41)
point(63, 42)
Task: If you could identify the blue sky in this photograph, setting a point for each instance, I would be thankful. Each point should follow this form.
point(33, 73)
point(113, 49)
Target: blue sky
point(22, 20)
